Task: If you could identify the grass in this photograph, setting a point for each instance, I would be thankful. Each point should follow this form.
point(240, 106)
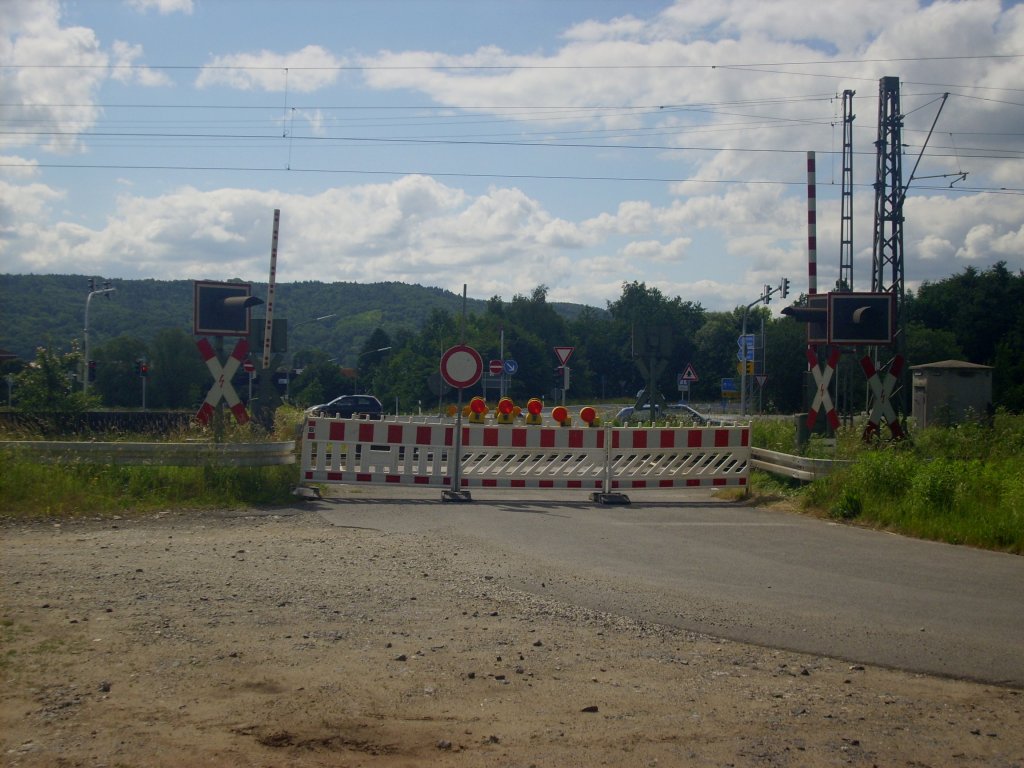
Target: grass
point(961, 485)
point(34, 490)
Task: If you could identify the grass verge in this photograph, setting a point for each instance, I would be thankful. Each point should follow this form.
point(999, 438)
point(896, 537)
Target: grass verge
point(30, 489)
point(960, 485)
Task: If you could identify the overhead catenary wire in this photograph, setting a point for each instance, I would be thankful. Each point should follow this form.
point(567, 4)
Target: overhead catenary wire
point(746, 112)
point(444, 174)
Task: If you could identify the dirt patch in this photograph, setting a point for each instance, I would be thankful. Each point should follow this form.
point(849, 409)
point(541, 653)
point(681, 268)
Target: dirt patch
point(283, 641)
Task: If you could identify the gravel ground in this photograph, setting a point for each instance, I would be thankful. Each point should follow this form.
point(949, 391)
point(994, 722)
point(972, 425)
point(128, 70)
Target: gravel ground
point(279, 640)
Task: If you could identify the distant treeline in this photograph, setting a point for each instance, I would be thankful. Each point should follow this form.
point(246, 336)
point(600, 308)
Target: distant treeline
point(388, 338)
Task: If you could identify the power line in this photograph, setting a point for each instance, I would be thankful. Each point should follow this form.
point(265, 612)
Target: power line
point(1007, 154)
point(526, 176)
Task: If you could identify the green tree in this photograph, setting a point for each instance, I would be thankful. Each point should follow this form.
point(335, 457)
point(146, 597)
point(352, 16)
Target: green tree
point(178, 377)
point(49, 383)
point(931, 345)
point(320, 381)
point(116, 380)
point(785, 365)
point(716, 352)
point(659, 328)
point(374, 352)
point(534, 314)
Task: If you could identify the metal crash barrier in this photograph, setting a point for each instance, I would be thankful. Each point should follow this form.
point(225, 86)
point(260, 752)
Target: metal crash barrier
point(603, 460)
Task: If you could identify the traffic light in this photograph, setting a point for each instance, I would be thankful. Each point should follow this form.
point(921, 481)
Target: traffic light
point(144, 370)
point(222, 309)
point(558, 379)
point(92, 370)
point(785, 287)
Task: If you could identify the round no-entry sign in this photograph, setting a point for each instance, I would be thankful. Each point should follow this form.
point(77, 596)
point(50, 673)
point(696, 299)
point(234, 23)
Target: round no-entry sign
point(249, 366)
point(461, 366)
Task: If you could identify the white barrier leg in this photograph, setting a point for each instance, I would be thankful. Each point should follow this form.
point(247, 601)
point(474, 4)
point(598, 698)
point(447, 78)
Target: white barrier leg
point(606, 495)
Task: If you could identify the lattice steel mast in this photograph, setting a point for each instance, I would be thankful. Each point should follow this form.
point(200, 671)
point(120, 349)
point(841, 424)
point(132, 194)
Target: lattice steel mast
point(846, 225)
point(887, 269)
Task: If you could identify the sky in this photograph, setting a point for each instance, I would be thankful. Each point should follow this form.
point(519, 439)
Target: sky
point(502, 144)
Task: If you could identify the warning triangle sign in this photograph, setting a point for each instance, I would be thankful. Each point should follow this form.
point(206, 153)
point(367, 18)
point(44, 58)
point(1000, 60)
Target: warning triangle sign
point(689, 374)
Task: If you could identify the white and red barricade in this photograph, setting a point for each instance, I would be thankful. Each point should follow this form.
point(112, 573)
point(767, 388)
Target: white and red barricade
point(512, 456)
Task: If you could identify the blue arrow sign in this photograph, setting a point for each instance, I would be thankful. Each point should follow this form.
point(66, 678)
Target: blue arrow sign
point(510, 366)
point(746, 345)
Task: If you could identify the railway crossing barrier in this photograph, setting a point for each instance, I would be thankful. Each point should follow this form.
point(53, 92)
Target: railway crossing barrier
point(605, 461)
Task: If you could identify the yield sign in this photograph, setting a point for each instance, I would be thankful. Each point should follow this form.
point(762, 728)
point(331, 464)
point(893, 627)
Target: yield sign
point(881, 389)
point(222, 381)
point(564, 353)
point(822, 397)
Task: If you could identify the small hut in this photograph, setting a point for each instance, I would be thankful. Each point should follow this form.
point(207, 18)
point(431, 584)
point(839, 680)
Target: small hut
point(950, 392)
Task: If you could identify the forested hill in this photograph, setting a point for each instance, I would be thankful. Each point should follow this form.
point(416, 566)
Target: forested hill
point(50, 310)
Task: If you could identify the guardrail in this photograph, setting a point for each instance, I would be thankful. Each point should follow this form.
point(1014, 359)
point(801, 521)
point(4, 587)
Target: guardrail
point(797, 467)
point(166, 454)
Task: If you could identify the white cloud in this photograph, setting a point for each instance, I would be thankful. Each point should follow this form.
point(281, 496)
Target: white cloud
point(15, 167)
point(24, 218)
point(934, 248)
point(42, 97)
point(308, 69)
point(163, 7)
point(125, 70)
point(619, 28)
point(656, 251)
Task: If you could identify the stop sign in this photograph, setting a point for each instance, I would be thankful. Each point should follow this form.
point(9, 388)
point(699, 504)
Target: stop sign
point(496, 367)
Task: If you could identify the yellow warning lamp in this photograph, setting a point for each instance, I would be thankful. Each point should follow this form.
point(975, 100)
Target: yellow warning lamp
point(561, 414)
point(477, 410)
point(451, 410)
point(533, 408)
point(589, 416)
point(506, 411)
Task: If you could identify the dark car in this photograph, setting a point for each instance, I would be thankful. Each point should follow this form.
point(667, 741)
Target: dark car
point(349, 406)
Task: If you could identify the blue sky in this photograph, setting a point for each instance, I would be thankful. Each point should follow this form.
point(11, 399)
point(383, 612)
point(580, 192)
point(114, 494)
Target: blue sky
point(577, 144)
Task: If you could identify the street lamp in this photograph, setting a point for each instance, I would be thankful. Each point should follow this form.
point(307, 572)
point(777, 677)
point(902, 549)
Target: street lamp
point(291, 355)
point(107, 290)
point(355, 388)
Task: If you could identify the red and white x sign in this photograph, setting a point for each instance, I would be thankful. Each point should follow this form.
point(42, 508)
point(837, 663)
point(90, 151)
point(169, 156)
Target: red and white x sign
point(222, 381)
point(881, 390)
point(822, 397)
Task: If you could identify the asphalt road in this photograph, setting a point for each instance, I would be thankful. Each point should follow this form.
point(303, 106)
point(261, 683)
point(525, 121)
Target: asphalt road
point(766, 577)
